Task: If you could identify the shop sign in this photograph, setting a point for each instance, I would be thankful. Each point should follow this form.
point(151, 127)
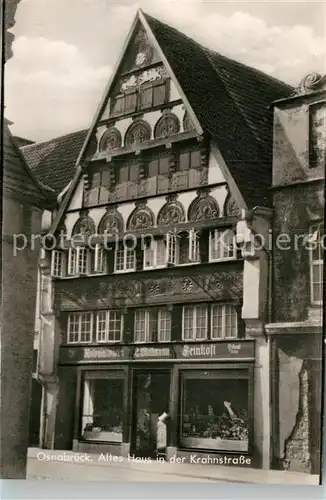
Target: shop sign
point(152, 352)
point(78, 354)
point(218, 350)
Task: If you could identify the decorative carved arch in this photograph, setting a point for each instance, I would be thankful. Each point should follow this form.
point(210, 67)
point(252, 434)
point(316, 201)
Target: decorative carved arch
point(85, 226)
point(111, 222)
point(138, 132)
point(141, 218)
point(231, 207)
point(188, 124)
point(166, 126)
point(171, 213)
point(111, 139)
point(204, 207)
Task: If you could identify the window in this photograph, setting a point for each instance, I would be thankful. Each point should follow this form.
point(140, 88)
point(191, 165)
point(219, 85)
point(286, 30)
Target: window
point(109, 326)
point(155, 255)
point(222, 245)
point(183, 248)
point(316, 263)
point(214, 411)
point(159, 166)
point(317, 126)
point(164, 326)
point(125, 259)
point(145, 98)
point(190, 159)
point(160, 94)
point(224, 322)
point(57, 264)
point(99, 260)
point(80, 328)
point(151, 325)
point(194, 323)
point(72, 261)
point(103, 406)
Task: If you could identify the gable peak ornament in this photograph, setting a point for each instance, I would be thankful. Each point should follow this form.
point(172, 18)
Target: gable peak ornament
point(311, 83)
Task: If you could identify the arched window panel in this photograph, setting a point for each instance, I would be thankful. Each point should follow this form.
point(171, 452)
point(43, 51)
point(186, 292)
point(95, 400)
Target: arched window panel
point(141, 218)
point(137, 133)
point(231, 207)
point(111, 222)
point(204, 207)
point(110, 140)
point(166, 126)
point(171, 213)
point(84, 226)
point(188, 124)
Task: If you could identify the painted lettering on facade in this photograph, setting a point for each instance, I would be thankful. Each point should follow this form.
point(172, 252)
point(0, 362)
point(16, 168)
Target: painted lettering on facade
point(205, 350)
point(95, 353)
point(152, 352)
point(234, 348)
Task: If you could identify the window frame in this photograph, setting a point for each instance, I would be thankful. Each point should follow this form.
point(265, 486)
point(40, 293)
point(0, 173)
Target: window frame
point(80, 315)
point(125, 251)
point(155, 253)
point(194, 307)
point(319, 228)
point(212, 237)
point(157, 314)
point(61, 264)
point(224, 327)
point(106, 339)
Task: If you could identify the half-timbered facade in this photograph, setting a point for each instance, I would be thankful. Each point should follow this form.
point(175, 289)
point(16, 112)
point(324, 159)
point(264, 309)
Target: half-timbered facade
point(154, 295)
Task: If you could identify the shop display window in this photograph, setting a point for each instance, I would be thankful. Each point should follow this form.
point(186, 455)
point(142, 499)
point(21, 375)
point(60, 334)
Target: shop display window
point(214, 413)
point(103, 406)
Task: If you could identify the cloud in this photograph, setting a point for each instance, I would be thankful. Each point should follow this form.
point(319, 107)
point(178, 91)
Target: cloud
point(52, 89)
point(54, 86)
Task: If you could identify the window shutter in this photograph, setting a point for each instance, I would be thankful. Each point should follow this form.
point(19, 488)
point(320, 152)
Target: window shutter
point(176, 323)
point(204, 246)
point(139, 256)
point(110, 256)
point(171, 247)
point(128, 326)
point(193, 246)
point(98, 259)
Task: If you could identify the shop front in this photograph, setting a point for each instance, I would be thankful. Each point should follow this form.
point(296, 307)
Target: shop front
point(203, 390)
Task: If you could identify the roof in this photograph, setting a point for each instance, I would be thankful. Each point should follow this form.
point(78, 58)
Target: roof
point(232, 103)
point(53, 162)
point(21, 141)
point(18, 179)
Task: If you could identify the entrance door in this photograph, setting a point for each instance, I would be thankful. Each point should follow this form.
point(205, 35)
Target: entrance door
point(151, 399)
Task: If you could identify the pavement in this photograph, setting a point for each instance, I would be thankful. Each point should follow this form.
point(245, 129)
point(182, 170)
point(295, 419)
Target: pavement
point(67, 465)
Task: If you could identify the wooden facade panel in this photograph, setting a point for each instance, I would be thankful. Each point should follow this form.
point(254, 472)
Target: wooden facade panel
point(209, 283)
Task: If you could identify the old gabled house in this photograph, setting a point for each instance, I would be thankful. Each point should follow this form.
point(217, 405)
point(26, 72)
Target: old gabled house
point(154, 298)
point(298, 276)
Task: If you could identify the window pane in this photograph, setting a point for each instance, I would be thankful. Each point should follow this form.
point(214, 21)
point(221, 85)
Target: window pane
point(130, 103)
point(188, 323)
point(103, 409)
point(145, 98)
point(82, 260)
point(195, 159)
point(118, 106)
point(124, 174)
point(130, 256)
point(184, 163)
point(160, 253)
point(164, 166)
point(164, 325)
point(101, 326)
point(73, 328)
point(153, 168)
point(159, 94)
point(214, 413)
point(216, 322)
point(152, 325)
point(134, 173)
point(141, 326)
point(85, 327)
point(72, 260)
point(201, 322)
point(149, 254)
point(183, 243)
point(115, 326)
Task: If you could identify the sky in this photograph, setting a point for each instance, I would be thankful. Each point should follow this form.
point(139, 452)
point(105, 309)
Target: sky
point(65, 50)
